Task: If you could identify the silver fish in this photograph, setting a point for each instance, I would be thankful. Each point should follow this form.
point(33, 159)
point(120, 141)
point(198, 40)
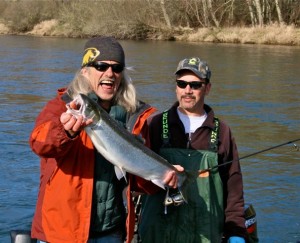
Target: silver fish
point(121, 148)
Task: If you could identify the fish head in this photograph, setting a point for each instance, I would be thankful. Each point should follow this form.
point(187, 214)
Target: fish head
point(85, 107)
point(89, 108)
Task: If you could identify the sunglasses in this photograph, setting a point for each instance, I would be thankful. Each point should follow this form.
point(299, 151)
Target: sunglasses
point(103, 66)
point(193, 84)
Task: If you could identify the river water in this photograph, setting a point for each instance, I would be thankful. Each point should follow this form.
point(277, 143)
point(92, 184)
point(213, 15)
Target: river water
point(256, 89)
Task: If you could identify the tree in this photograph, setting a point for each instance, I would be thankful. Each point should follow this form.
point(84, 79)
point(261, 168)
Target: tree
point(205, 13)
point(259, 12)
point(166, 16)
point(278, 12)
point(212, 14)
point(251, 12)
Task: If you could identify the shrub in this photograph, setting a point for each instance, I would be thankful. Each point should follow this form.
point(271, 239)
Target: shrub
point(22, 16)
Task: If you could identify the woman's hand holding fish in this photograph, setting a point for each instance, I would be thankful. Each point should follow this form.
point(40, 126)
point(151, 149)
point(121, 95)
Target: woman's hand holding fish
point(171, 179)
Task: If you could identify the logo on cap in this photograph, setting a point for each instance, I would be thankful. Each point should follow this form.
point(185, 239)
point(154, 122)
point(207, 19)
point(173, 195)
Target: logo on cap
point(192, 61)
point(90, 55)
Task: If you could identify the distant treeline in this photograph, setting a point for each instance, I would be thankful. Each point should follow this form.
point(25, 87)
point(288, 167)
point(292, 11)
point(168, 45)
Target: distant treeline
point(139, 19)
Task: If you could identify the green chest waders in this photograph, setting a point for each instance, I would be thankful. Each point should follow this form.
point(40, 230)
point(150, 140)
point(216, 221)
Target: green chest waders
point(201, 219)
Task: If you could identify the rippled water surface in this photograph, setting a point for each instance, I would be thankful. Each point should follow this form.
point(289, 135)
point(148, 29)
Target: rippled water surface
point(255, 89)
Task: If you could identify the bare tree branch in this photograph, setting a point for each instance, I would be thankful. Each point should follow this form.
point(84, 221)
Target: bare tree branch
point(166, 16)
point(278, 12)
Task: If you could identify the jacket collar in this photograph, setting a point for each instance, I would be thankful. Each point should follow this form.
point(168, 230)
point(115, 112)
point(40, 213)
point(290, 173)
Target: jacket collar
point(209, 122)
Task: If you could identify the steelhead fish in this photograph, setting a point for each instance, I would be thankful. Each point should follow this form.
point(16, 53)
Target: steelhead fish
point(121, 148)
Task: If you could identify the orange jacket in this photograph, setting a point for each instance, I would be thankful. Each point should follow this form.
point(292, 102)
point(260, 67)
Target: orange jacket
point(66, 178)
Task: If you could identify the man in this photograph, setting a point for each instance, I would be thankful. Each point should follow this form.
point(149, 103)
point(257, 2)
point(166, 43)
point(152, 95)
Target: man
point(190, 135)
point(80, 197)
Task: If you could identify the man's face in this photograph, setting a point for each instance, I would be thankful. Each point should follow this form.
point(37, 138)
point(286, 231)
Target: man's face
point(105, 83)
point(191, 99)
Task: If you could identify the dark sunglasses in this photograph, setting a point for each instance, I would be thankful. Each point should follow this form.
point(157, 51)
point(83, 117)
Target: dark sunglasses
point(103, 66)
point(193, 84)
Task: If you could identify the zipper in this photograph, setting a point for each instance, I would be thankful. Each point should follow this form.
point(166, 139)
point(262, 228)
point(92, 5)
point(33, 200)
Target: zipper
point(188, 145)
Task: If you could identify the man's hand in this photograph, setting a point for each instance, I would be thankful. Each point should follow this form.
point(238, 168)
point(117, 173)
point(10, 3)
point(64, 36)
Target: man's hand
point(73, 125)
point(171, 179)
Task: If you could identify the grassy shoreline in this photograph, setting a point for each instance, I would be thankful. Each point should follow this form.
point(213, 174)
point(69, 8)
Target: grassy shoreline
point(269, 35)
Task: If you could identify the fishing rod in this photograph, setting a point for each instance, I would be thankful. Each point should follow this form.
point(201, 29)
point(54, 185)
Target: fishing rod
point(14, 143)
point(252, 154)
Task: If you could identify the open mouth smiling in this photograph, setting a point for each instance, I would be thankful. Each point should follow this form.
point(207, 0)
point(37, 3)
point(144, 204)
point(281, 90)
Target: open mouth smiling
point(107, 83)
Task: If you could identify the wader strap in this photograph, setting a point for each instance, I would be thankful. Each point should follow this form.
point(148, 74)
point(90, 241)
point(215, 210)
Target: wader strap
point(165, 130)
point(214, 138)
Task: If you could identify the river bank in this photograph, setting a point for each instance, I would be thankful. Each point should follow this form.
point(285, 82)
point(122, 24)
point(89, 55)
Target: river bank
point(269, 35)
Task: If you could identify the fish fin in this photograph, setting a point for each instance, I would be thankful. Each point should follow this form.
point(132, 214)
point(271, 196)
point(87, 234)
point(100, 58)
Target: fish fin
point(120, 173)
point(158, 183)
